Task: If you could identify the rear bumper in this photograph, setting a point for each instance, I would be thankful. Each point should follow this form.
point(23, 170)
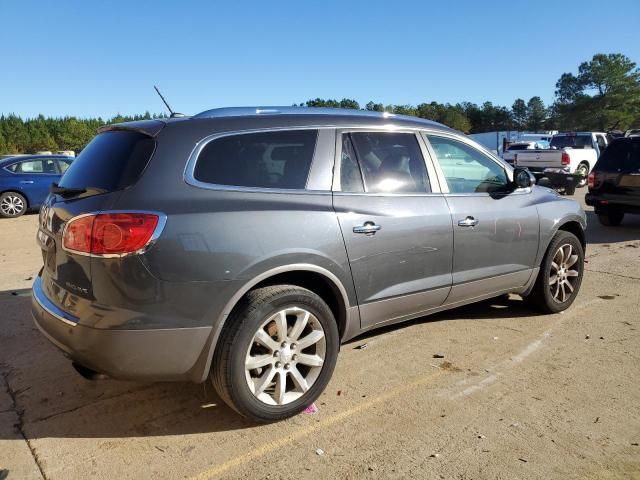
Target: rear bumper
point(558, 179)
point(152, 354)
point(601, 202)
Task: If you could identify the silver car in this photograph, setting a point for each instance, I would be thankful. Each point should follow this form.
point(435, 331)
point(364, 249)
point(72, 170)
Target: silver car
point(247, 244)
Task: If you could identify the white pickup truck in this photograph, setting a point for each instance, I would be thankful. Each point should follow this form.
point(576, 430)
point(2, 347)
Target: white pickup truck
point(568, 161)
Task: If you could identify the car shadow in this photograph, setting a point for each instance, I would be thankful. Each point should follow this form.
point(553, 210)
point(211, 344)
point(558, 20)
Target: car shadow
point(56, 402)
point(597, 233)
point(498, 308)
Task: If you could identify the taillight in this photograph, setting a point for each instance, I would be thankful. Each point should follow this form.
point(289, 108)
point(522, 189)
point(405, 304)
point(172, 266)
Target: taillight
point(591, 180)
point(110, 233)
point(515, 159)
point(565, 160)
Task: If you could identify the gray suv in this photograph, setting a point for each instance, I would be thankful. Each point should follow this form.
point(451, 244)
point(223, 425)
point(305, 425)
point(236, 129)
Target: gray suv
point(247, 244)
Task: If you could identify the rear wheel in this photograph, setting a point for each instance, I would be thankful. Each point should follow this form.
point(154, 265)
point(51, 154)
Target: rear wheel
point(277, 353)
point(583, 171)
point(611, 218)
point(560, 274)
point(12, 205)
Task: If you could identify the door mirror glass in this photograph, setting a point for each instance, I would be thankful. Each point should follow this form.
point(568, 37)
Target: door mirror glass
point(522, 178)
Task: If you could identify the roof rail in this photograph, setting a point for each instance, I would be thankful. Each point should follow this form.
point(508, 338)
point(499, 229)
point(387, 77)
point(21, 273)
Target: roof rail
point(256, 111)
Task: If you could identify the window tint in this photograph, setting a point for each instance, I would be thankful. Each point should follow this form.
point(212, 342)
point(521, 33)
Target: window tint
point(32, 166)
point(621, 156)
point(113, 160)
point(466, 169)
point(350, 177)
point(601, 143)
point(278, 159)
point(63, 165)
point(12, 168)
point(571, 141)
point(391, 162)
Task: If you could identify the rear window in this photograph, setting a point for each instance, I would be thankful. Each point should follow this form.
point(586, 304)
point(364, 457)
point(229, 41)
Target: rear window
point(277, 159)
point(571, 141)
point(112, 161)
point(621, 156)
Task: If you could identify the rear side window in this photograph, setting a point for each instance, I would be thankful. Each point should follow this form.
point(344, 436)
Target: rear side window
point(621, 156)
point(112, 161)
point(276, 159)
point(390, 162)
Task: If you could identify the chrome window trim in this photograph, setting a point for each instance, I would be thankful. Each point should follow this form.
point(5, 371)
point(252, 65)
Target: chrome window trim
point(189, 170)
point(162, 221)
point(49, 307)
point(337, 188)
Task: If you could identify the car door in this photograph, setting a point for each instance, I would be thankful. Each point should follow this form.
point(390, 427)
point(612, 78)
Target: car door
point(395, 224)
point(495, 228)
point(35, 177)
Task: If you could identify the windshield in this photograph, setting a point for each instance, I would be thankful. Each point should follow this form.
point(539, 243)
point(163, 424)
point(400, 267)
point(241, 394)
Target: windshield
point(571, 141)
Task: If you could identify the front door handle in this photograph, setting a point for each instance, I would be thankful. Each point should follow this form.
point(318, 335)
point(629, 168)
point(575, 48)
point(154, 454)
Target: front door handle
point(468, 222)
point(26, 181)
point(369, 228)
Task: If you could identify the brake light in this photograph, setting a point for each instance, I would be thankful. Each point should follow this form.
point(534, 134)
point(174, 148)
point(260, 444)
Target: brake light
point(565, 160)
point(591, 181)
point(110, 233)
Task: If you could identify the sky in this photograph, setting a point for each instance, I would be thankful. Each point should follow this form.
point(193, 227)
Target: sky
point(86, 58)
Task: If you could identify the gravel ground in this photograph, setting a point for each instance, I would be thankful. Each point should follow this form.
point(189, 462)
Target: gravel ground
point(517, 395)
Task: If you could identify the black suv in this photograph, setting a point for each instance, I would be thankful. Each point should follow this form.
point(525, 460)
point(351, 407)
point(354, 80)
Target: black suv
point(614, 183)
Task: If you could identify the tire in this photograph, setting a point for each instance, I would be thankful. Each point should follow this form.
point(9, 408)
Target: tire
point(583, 170)
point(260, 314)
point(611, 218)
point(547, 295)
point(12, 205)
point(570, 190)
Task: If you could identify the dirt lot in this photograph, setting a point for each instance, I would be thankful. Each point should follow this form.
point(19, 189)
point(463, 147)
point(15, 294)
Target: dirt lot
point(516, 395)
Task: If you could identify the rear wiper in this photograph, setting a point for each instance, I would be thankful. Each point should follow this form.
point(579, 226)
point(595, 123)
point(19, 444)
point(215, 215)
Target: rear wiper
point(64, 191)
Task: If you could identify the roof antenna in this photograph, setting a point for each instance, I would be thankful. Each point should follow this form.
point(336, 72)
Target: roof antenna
point(173, 114)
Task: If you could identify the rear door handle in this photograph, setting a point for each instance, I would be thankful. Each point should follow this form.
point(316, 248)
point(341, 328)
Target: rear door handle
point(369, 228)
point(468, 222)
point(26, 181)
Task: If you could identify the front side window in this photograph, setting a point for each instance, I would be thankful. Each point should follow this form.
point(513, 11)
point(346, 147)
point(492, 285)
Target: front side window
point(274, 159)
point(390, 162)
point(466, 169)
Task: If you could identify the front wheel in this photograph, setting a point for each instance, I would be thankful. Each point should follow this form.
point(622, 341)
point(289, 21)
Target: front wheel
point(570, 190)
point(560, 274)
point(276, 353)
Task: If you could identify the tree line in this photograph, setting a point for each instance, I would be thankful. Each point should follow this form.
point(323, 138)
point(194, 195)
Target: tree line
point(603, 95)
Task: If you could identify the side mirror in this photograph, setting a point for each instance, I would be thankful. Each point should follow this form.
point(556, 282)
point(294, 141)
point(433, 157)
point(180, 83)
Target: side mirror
point(522, 178)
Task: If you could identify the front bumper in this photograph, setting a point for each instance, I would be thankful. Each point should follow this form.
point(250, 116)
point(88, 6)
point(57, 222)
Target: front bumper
point(152, 354)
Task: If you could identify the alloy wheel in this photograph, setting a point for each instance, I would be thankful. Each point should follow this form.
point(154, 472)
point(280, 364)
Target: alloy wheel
point(11, 205)
point(582, 171)
point(285, 356)
point(563, 276)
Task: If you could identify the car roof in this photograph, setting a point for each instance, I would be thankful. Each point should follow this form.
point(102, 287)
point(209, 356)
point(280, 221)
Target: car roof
point(247, 118)
point(330, 115)
point(21, 158)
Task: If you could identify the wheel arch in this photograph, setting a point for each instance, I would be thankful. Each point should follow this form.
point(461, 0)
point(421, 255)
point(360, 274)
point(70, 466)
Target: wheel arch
point(22, 194)
point(314, 278)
